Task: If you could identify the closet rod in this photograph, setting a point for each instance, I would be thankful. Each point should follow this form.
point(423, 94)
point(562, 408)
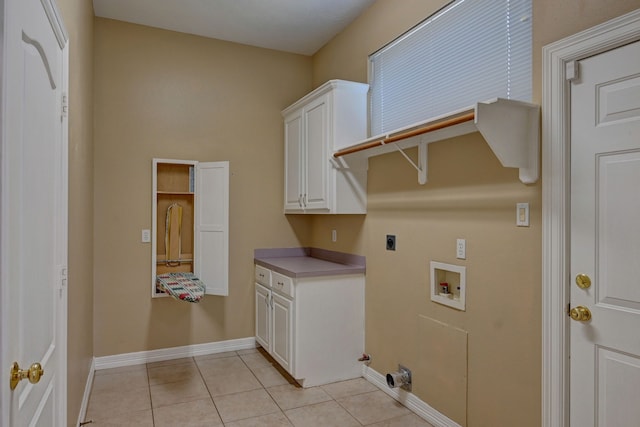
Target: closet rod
point(422, 130)
point(174, 261)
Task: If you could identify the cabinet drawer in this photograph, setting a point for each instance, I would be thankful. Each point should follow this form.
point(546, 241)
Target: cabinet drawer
point(263, 275)
point(282, 284)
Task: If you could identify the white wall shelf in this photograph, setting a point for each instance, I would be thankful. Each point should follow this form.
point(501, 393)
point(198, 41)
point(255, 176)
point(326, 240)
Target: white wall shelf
point(511, 128)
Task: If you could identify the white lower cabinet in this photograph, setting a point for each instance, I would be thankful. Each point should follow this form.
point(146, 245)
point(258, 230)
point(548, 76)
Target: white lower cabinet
point(282, 321)
point(313, 326)
point(263, 316)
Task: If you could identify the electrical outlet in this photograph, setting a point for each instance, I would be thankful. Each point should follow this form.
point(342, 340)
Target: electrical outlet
point(461, 249)
point(334, 235)
point(391, 242)
point(146, 236)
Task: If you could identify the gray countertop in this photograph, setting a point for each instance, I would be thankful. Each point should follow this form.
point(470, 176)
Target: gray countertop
point(309, 262)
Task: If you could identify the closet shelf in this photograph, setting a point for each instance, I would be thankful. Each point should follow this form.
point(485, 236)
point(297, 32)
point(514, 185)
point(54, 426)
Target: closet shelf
point(511, 128)
point(175, 193)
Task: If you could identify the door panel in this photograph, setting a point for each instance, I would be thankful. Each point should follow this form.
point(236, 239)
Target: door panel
point(263, 315)
point(605, 239)
point(33, 212)
point(37, 204)
point(282, 330)
point(617, 224)
point(212, 227)
point(292, 162)
point(618, 376)
point(316, 152)
point(618, 100)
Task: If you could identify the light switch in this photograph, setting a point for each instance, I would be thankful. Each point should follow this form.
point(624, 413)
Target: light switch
point(522, 214)
point(146, 236)
point(461, 249)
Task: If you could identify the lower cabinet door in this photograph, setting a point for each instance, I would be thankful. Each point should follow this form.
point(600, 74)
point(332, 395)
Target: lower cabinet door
point(263, 317)
point(282, 331)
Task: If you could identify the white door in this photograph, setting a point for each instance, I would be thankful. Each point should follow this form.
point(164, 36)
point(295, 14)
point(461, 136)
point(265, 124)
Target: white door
point(212, 227)
point(263, 316)
point(293, 185)
point(282, 330)
point(317, 158)
point(33, 212)
point(605, 239)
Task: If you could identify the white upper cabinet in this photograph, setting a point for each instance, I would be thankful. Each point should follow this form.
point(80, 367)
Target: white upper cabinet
point(326, 120)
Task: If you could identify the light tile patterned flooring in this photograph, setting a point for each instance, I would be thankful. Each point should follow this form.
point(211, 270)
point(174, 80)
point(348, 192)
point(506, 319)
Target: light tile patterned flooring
point(235, 389)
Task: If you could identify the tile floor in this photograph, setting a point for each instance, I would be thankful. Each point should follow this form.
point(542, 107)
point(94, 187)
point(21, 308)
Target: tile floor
point(235, 389)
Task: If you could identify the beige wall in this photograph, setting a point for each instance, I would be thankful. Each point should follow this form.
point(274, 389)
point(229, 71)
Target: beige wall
point(469, 195)
point(164, 94)
point(78, 19)
point(171, 95)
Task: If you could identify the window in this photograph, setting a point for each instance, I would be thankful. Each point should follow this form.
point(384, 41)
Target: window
point(469, 51)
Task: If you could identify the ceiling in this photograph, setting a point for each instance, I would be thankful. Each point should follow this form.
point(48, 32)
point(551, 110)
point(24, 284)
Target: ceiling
point(296, 26)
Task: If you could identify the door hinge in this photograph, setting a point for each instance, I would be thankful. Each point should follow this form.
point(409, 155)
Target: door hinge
point(572, 70)
point(65, 105)
point(568, 309)
point(63, 279)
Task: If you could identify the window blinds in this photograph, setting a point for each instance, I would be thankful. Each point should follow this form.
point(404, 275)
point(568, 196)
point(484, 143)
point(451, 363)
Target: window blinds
point(469, 51)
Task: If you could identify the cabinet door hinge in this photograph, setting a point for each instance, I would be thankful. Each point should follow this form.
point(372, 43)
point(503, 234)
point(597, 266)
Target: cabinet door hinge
point(65, 106)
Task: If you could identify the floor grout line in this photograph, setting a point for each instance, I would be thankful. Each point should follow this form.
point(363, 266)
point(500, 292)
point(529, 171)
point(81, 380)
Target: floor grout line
point(357, 391)
point(195, 362)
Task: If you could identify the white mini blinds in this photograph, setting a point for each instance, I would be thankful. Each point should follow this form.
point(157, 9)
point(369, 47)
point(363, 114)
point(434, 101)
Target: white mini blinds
point(469, 51)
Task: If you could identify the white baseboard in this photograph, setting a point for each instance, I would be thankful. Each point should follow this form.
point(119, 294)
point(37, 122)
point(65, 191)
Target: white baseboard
point(410, 400)
point(141, 357)
point(87, 392)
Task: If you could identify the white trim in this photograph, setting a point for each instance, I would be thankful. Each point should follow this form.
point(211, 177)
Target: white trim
point(57, 24)
point(87, 392)
point(63, 251)
point(555, 201)
point(409, 400)
point(141, 357)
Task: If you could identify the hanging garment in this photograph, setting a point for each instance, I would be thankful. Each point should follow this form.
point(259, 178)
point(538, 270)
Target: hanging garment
point(173, 234)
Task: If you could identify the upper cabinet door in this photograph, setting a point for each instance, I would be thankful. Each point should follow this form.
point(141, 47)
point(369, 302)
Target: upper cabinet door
point(212, 227)
point(293, 180)
point(316, 135)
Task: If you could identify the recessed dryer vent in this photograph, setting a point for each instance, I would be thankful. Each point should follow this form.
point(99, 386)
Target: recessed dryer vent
point(401, 378)
point(448, 284)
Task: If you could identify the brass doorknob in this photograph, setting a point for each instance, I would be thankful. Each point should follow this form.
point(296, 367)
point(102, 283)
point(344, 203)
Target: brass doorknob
point(34, 373)
point(580, 313)
point(583, 281)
